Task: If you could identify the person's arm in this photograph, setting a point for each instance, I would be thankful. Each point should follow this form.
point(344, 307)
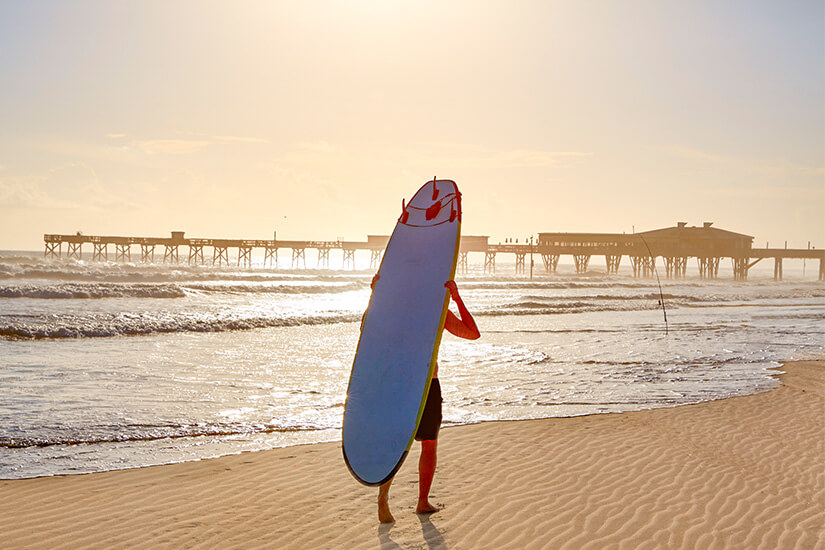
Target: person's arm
point(465, 327)
point(372, 287)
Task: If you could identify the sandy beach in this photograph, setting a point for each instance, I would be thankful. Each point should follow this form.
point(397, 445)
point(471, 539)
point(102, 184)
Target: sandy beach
point(745, 472)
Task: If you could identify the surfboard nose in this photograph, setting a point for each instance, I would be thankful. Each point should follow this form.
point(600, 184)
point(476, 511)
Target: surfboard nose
point(435, 203)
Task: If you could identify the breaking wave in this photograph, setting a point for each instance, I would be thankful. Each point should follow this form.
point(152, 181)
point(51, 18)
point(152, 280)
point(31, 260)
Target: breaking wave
point(79, 271)
point(74, 290)
point(138, 432)
point(98, 326)
point(278, 289)
point(167, 290)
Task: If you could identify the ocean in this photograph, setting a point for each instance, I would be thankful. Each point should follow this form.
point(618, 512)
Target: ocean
point(105, 366)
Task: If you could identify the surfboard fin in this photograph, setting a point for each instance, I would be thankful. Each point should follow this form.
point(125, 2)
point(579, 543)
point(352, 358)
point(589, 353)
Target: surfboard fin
point(433, 211)
point(456, 212)
point(404, 213)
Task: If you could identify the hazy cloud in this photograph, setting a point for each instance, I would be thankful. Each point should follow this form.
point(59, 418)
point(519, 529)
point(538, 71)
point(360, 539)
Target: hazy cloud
point(189, 146)
point(229, 139)
point(72, 185)
point(318, 146)
point(772, 192)
point(16, 193)
point(440, 153)
point(474, 157)
point(529, 158)
point(170, 146)
point(770, 167)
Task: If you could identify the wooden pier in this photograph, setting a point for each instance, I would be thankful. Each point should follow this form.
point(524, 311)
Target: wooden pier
point(672, 248)
point(171, 248)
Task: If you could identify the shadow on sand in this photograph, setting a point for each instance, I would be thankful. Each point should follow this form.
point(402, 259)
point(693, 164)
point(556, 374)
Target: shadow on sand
point(432, 536)
point(384, 537)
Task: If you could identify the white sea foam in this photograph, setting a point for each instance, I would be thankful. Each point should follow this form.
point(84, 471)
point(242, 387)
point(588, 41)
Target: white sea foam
point(66, 291)
point(111, 325)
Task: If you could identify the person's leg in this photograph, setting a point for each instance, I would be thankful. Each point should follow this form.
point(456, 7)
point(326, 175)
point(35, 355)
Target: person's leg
point(426, 471)
point(384, 515)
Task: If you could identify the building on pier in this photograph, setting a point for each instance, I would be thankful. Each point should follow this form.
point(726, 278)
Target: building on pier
point(707, 244)
point(676, 245)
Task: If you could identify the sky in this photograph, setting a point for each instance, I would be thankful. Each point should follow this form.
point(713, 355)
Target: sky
point(315, 119)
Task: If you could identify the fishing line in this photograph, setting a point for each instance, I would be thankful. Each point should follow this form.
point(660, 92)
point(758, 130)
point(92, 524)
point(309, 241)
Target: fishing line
point(658, 282)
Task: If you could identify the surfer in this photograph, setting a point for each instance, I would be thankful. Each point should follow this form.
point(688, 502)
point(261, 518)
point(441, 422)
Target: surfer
point(463, 326)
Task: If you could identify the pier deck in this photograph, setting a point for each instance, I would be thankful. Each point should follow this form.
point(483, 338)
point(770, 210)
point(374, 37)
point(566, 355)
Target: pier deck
point(672, 247)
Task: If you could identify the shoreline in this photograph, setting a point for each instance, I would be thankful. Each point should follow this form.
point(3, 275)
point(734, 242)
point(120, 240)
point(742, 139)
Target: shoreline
point(773, 372)
point(444, 426)
point(741, 472)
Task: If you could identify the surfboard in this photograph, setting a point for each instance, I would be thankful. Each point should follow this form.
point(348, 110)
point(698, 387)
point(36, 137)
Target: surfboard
point(400, 334)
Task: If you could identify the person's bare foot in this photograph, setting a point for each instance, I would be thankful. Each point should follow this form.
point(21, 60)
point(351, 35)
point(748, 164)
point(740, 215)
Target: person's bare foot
point(384, 514)
point(426, 508)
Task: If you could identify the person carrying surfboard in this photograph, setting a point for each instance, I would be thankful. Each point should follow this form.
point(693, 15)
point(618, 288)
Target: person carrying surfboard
point(393, 395)
point(463, 326)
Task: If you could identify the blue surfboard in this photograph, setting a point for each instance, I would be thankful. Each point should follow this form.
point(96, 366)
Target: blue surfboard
point(400, 334)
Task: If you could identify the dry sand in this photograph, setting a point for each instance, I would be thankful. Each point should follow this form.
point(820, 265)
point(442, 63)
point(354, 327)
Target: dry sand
point(747, 472)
